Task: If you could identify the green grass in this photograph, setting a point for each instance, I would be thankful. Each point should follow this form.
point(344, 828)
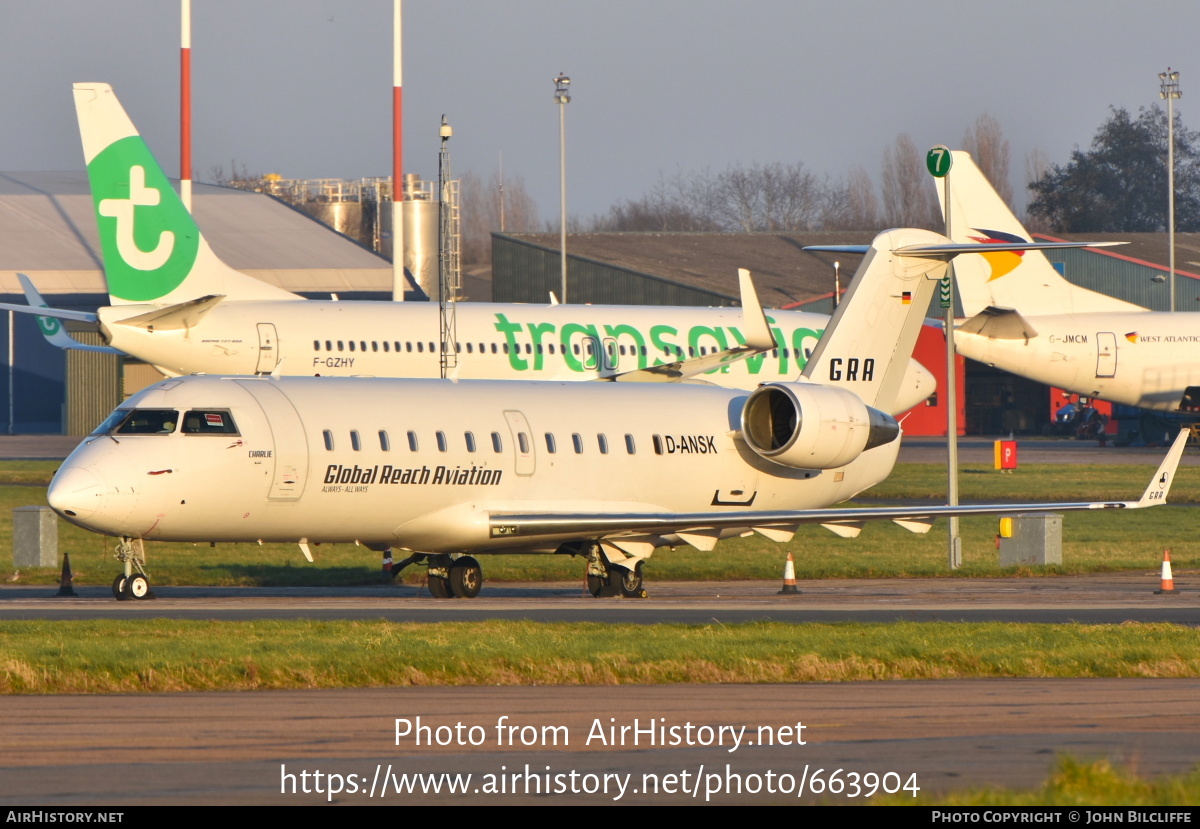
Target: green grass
point(1092, 542)
point(137, 655)
point(1074, 782)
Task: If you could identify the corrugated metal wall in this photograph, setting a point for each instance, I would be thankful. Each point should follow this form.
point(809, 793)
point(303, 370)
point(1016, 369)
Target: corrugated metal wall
point(523, 272)
point(93, 385)
point(1126, 280)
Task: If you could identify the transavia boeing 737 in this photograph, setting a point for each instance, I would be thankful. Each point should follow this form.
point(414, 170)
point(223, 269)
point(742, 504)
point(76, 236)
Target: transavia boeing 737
point(1025, 318)
point(178, 307)
point(450, 471)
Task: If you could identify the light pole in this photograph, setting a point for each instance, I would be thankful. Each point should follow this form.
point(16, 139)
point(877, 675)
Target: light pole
point(562, 97)
point(837, 284)
point(1169, 90)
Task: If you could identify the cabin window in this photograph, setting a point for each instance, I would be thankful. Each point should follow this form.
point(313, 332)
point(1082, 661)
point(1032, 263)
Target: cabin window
point(470, 439)
point(341, 345)
point(316, 345)
point(328, 440)
point(602, 440)
point(385, 346)
point(375, 345)
point(352, 345)
point(576, 347)
point(494, 348)
point(523, 442)
point(622, 350)
point(551, 348)
point(407, 347)
point(208, 422)
point(528, 348)
point(431, 348)
point(385, 442)
point(421, 347)
point(470, 348)
point(630, 446)
point(658, 445)
point(412, 442)
point(539, 348)
point(577, 441)
point(355, 441)
point(363, 344)
point(497, 443)
point(506, 348)
point(329, 345)
point(441, 442)
point(550, 447)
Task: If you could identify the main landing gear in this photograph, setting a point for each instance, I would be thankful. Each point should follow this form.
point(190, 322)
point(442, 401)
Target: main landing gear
point(130, 585)
point(450, 576)
point(605, 580)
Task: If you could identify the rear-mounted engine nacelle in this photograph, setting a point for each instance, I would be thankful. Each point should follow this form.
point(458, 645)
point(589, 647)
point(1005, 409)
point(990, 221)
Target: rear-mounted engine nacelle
point(813, 427)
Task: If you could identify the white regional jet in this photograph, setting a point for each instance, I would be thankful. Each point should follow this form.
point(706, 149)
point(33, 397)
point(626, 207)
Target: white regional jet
point(1025, 318)
point(449, 470)
point(178, 307)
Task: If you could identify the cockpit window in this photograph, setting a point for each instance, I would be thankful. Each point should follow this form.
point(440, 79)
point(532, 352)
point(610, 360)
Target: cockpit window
point(208, 422)
point(139, 422)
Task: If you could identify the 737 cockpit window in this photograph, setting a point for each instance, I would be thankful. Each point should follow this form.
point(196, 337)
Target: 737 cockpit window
point(139, 422)
point(208, 422)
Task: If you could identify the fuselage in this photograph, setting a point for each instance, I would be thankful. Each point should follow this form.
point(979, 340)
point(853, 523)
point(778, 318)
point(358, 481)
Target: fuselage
point(1146, 359)
point(421, 464)
point(494, 341)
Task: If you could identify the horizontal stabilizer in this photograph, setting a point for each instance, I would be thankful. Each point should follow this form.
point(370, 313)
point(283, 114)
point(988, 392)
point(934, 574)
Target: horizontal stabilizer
point(54, 313)
point(999, 324)
point(174, 317)
point(954, 249)
point(860, 249)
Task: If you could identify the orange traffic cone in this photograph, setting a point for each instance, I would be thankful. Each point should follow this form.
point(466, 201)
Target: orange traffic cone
point(1168, 583)
point(789, 577)
point(67, 585)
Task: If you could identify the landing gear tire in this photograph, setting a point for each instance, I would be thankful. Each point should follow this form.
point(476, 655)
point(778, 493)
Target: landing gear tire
point(137, 586)
point(466, 578)
point(630, 581)
point(118, 588)
point(596, 585)
point(439, 587)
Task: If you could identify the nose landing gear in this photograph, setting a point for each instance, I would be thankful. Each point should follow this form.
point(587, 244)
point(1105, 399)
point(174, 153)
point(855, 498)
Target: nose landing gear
point(130, 585)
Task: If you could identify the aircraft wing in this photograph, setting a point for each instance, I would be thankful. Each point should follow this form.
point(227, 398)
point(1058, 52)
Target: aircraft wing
point(48, 320)
point(779, 525)
point(758, 340)
point(953, 249)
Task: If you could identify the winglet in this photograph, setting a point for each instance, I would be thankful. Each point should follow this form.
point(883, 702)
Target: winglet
point(1160, 484)
point(754, 321)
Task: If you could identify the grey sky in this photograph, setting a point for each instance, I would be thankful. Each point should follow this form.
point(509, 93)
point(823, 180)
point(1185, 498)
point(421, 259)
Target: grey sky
point(302, 87)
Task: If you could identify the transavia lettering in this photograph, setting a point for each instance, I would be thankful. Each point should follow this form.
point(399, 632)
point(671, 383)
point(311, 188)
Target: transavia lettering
point(539, 346)
point(852, 369)
point(335, 473)
point(696, 444)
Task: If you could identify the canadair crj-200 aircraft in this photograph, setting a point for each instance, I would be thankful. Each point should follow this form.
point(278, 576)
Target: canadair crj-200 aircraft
point(178, 307)
point(1025, 318)
point(448, 471)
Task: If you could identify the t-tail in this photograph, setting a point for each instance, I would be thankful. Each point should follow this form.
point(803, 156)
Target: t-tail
point(869, 342)
point(1023, 280)
point(153, 251)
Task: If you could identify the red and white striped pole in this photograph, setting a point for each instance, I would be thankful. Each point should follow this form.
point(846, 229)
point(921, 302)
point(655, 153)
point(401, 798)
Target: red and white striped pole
point(398, 282)
point(185, 104)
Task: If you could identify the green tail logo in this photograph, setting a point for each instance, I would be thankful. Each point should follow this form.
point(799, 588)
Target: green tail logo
point(147, 236)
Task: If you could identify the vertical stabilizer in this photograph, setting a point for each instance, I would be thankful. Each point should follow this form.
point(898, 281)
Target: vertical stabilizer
point(1023, 280)
point(868, 344)
point(153, 251)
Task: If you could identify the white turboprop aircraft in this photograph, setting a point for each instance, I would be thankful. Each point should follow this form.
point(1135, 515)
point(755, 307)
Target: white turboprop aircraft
point(449, 470)
point(178, 307)
point(1025, 318)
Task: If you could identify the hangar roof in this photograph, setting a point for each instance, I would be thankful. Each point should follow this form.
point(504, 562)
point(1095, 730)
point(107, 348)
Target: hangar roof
point(783, 273)
point(48, 230)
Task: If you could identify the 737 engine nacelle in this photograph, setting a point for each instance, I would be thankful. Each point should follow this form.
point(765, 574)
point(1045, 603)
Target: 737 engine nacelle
point(808, 426)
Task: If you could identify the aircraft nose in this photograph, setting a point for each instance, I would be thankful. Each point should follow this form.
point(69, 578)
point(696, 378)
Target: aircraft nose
point(75, 493)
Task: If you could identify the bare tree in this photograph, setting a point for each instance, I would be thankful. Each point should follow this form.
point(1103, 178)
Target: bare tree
point(851, 204)
point(909, 199)
point(985, 141)
point(1037, 164)
point(483, 202)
